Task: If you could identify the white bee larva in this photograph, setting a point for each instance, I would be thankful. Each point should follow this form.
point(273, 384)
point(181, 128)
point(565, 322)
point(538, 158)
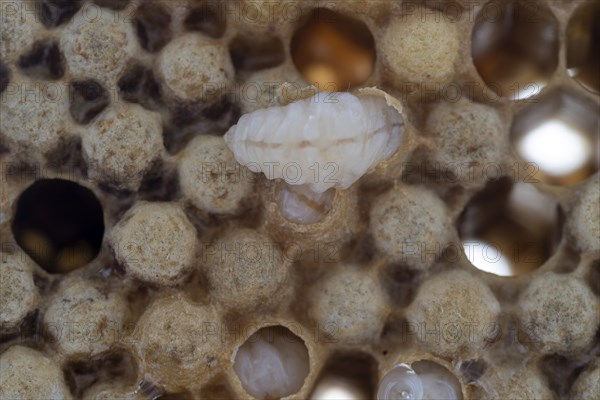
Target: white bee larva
point(430, 382)
point(326, 141)
point(272, 363)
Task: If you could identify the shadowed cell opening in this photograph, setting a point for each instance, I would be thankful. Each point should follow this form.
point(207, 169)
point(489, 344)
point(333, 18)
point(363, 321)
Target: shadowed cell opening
point(57, 12)
point(332, 51)
point(152, 23)
point(514, 46)
point(138, 85)
point(59, 224)
point(583, 45)
point(43, 61)
point(87, 99)
point(510, 229)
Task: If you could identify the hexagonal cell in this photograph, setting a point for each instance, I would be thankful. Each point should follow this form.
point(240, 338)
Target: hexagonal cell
point(59, 224)
point(583, 45)
point(509, 228)
point(515, 47)
point(558, 137)
point(332, 51)
point(347, 376)
point(272, 363)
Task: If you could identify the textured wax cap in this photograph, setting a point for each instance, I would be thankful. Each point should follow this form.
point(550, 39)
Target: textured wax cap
point(410, 226)
point(574, 319)
point(194, 67)
point(17, 289)
point(121, 145)
point(27, 373)
point(179, 344)
point(156, 243)
point(211, 179)
point(456, 314)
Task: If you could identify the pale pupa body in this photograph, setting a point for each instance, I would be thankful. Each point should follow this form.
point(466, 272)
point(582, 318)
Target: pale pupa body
point(326, 141)
point(403, 383)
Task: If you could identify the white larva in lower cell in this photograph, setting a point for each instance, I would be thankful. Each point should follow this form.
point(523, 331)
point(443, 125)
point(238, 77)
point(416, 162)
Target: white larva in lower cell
point(272, 363)
point(428, 382)
point(323, 142)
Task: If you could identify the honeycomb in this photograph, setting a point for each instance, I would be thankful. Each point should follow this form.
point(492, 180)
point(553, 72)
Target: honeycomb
point(141, 261)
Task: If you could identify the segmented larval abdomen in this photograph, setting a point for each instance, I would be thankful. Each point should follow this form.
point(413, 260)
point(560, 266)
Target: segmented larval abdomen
point(323, 141)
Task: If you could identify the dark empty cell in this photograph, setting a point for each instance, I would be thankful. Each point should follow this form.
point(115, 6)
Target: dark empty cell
point(138, 85)
point(153, 22)
point(59, 224)
point(88, 99)
point(4, 77)
point(114, 4)
point(57, 12)
point(253, 53)
point(207, 20)
point(43, 61)
point(514, 46)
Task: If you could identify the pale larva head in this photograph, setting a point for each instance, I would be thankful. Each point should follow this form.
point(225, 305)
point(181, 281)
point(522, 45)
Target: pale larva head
point(327, 141)
point(303, 206)
point(427, 381)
